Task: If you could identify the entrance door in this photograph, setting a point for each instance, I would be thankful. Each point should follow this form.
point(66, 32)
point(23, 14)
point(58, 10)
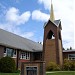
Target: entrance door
point(31, 70)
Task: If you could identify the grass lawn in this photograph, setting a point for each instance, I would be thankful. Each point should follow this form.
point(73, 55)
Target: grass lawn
point(62, 73)
point(9, 74)
point(49, 73)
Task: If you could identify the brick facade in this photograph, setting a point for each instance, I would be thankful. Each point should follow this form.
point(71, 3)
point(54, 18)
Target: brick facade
point(39, 64)
point(52, 48)
point(50, 51)
point(1, 51)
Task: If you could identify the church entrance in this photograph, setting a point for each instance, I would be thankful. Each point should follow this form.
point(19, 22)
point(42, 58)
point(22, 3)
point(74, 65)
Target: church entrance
point(31, 70)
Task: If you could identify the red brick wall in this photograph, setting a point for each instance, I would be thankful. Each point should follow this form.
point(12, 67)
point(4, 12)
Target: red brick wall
point(1, 51)
point(50, 51)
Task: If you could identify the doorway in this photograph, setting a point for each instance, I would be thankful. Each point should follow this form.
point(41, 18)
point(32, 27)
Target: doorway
point(30, 70)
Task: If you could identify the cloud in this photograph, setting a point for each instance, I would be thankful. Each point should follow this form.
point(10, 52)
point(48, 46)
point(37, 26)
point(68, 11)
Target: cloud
point(40, 16)
point(63, 9)
point(28, 35)
point(46, 3)
point(12, 19)
point(13, 16)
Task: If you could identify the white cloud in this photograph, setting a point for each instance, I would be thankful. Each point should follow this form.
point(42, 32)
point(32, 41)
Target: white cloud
point(40, 16)
point(17, 30)
point(28, 35)
point(74, 22)
point(63, 9)
point(45, 2)
point(12, 19)
point(13, 16)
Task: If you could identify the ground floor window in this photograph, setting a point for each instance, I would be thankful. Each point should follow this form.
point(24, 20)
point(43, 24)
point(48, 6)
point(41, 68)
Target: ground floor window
point(71, 56)
point(31, 70)
point(25, 55)
point(9, 52)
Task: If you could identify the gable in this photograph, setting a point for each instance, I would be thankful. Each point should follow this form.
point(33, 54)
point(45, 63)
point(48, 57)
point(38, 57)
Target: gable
point(56, 23)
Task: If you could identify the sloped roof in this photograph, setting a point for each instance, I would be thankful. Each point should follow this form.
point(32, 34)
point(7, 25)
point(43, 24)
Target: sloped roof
point(56, 23)
point(73, 50)
point(12, 40)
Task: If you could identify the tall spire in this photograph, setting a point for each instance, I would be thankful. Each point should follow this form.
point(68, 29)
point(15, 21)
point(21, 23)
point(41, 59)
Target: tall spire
point(52, 13)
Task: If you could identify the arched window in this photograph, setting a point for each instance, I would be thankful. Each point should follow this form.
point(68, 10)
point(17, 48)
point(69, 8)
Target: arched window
point(50, 35)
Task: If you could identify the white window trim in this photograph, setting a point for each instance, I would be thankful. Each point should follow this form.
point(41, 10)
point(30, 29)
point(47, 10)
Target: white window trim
point(28, 58)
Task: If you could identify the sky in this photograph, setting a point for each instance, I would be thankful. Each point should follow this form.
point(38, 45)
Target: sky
point(27, 17)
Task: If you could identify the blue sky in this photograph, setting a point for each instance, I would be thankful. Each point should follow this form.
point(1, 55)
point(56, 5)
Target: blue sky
point(27, 17)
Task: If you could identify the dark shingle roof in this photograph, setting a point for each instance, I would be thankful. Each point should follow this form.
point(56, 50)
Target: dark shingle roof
point(12, 40)
point(56, 23)
point(73, 50)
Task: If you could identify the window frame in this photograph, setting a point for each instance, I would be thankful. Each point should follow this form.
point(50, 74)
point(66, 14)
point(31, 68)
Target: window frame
point(71, 58)
point(13, 55)
point(25, 55)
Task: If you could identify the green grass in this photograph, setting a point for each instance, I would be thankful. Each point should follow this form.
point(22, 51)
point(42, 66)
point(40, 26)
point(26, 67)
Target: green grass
point(52, 73)
point(9, 74)
point(62, 73)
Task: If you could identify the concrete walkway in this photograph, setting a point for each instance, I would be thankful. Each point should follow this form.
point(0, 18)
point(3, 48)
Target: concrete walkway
point(59, 71)
point(50, 72)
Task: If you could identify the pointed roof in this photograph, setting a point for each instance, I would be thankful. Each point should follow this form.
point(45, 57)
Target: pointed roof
point(52, 13)
point(57, 23)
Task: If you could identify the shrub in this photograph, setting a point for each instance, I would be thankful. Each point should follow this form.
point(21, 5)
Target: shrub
point(68, 65)
point(52, 67)
point(7, 65)
point(72, 68)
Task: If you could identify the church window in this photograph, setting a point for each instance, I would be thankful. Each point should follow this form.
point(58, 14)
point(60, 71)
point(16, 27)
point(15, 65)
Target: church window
point(25, 55)
point(71, 56)
point(9, 52)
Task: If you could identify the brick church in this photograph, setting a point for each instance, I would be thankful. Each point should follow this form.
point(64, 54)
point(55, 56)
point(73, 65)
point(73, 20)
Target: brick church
point(32, 57)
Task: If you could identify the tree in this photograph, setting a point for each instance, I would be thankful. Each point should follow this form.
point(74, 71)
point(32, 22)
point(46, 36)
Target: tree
point(70, 48)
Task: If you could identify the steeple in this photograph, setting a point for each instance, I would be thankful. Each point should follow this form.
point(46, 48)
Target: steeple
point(52, 13)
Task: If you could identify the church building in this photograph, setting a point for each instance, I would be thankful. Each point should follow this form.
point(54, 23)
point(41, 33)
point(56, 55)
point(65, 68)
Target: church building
point(32, 57)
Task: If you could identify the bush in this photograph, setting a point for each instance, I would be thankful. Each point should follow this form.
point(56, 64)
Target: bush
point(69, 65)
point(7, 65)
point(52, 67)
